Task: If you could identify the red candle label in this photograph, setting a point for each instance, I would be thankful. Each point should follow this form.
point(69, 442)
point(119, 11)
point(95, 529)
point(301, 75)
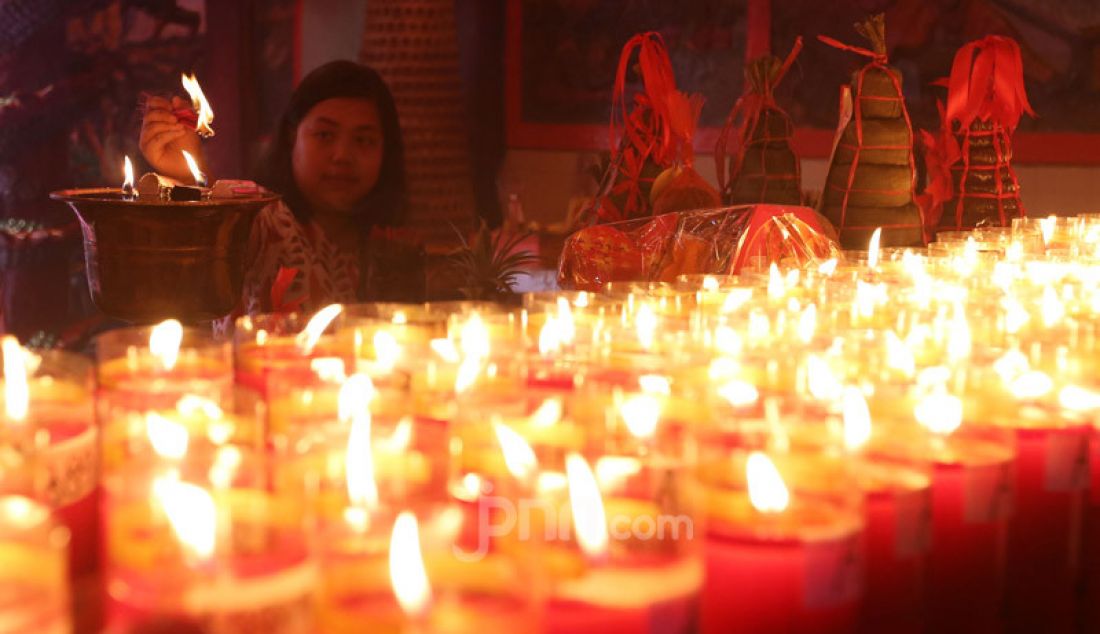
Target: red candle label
point(914, 528)
point(1067, 461)
point(833, 572)
point(70, 469)
point(988, 493)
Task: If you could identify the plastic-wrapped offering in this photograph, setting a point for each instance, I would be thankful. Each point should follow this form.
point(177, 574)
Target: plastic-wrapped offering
point(708, 241)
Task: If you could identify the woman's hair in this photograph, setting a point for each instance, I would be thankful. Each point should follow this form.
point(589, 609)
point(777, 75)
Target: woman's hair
point(385, 204)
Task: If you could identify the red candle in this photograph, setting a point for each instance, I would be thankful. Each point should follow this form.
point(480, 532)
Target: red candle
point(634, 599)
point(971, 502)
point(34, 580)
point(283, 347)
point(898, 516)
point(206, 540)
point(50, 416)
point(1090, 601)
point(1051, 481)
point(776, 565)
point(1044, 546)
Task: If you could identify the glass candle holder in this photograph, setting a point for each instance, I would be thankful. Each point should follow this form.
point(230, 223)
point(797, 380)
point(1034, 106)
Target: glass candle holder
point(36, 587)
point(50, 448)
point(135, 379)
point(632, 556)
point(277, 346)
point(1051, 482)
point(972, 488)
point(783, 552)
point(207, 542)
point(897, 506)
point(373, 471)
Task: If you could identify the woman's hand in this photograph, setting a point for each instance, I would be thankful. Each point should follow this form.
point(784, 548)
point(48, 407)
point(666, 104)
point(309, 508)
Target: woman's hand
point(163, 137)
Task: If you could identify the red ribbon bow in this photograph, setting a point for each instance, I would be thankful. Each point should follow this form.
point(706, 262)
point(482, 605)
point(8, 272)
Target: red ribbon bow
point(987, 83)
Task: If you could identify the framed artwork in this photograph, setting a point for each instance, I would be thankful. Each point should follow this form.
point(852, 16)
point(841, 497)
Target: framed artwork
point(561, 57)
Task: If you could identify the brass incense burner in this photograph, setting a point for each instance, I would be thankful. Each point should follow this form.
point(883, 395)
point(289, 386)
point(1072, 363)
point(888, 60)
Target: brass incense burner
point(149, 260)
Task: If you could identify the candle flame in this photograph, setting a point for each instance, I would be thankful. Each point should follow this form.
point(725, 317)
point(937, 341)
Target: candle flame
point(164, 342)
point(807, 324)
point(191, 513)
point(1078, 399)
point(408, 576)
point(565, 320)
point(518, 455)
point(311, 334)
point(1046, 226)
point(466, 376)
point(820, 379)
point(739, 393)
point(445, 349)
point(548, 413)
point(195, 405)
point(329, 369)
point(127, 176)
point(613, 471)
point(645, 324)
point(940, 413)
point(735, 299)
point(398, 441)
point(1032, 384)
point(359, 463)
point(387, 351)
point(589, 517)
point(655, 384)
point(728, 341)
point(1051, 307)
point(873, 249)
point(200, 104)
point(550, 337)
point(168, 438)
point(898, 355)
point(641, 413)
point(767, 491)
point(196, 173)
point(857, 419)
point(710, 283)
point(959, 342)
point(776, 287)
point(354, 398)
point(473, 338)
point(16, 389)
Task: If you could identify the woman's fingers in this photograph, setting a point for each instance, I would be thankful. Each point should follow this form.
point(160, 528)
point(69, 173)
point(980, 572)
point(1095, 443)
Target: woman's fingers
point(154, 128)
point(157, 103)
point(159, 116)
point(179, 103)
point(159, 141)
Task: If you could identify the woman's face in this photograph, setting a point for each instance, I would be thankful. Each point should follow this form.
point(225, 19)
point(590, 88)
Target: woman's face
point(338, 154)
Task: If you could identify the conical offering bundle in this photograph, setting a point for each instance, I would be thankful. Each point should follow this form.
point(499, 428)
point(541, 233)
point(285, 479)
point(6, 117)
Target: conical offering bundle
point(650, 138)
point(872, 173)
point(971, 179)
point(756, 139)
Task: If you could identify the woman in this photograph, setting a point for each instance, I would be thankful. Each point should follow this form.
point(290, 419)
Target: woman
point(338, 161)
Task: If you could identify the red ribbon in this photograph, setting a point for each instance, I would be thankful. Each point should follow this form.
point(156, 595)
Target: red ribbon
point(658, 81)
point(937, 152)
point(987, 83)
point(283, 279)
point(743, 118)
point(879, 58)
